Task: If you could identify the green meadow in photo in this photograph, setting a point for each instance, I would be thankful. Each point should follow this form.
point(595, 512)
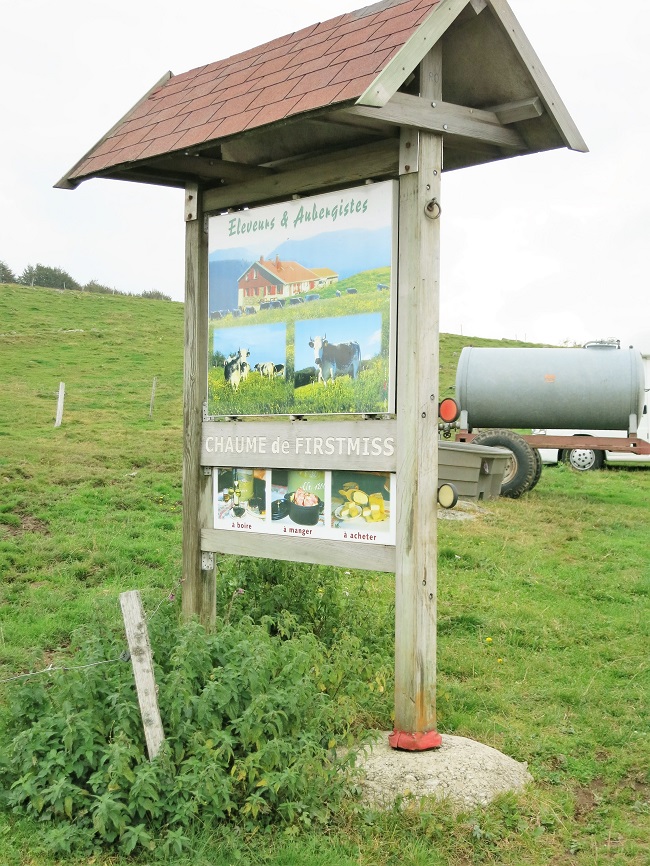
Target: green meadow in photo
point(285, 394)
point(543, 634)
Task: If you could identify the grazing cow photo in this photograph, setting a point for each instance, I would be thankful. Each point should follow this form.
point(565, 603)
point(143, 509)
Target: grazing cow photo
point(266, 370)
point(233, 368)
point(335, 359)
point(278, 370)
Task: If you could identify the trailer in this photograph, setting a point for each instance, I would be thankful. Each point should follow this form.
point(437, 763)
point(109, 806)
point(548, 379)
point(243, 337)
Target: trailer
point(582, 404)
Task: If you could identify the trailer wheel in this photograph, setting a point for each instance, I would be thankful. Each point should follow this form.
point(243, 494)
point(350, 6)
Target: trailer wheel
point(522, 466)
point(538, 467)
point(583, 459)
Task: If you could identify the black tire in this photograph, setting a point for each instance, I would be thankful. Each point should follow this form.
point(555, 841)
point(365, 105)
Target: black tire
point(521, 467)
point(538, 467)
point(583, 459)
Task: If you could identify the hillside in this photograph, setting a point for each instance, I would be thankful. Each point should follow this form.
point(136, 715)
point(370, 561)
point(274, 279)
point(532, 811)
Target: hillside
point(542, 622)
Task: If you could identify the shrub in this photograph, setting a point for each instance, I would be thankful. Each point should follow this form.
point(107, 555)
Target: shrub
point(250, 737)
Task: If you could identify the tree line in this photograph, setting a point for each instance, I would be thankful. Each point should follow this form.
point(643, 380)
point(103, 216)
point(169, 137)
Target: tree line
point(56, 278)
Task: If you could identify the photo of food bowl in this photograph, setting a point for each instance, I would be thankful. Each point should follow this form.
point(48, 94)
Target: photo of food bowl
point(304, 507)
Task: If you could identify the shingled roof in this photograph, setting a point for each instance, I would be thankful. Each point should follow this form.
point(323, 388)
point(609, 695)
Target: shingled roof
point(358, 59)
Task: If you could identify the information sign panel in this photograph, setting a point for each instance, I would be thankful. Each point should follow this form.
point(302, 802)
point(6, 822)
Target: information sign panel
point(301, 304)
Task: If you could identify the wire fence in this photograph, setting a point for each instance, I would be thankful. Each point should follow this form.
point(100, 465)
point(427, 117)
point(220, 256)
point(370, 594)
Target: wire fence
point(125, 656)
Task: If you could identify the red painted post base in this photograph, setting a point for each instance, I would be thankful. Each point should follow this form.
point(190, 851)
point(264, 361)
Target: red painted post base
point(418, 742)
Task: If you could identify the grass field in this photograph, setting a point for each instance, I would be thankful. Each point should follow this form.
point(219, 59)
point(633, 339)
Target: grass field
point(543, 610)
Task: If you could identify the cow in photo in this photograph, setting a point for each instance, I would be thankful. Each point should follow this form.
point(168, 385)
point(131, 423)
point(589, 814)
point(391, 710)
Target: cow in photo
point(278, 370)
point(335, 359)
point(233, 368)
point(266, 369)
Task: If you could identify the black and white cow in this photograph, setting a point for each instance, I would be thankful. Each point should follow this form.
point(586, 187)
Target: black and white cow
point(233, 367)
point(266, 369)
point(335, 359)
point(278, 370)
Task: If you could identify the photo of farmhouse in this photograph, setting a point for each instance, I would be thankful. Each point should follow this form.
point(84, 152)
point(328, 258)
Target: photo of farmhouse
point(270, 280)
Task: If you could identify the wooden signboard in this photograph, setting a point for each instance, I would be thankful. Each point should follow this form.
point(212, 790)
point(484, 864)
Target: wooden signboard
point(302, 325)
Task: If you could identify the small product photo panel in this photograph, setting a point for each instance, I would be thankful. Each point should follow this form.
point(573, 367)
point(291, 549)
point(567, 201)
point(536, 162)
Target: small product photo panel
point(343, 506)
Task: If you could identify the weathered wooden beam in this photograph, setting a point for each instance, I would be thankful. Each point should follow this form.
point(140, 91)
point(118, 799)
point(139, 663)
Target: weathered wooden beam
point(347, 554)
point(417, 435)
point(407, 58)
point(523, 109)
point(379, 159)
point(441, 117)
point(207, 167)
point(543, 84)
point(199, 586)
point(137, 637)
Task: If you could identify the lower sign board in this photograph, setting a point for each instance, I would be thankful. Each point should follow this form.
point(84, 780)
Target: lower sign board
point(308, 503)
point(307, 491)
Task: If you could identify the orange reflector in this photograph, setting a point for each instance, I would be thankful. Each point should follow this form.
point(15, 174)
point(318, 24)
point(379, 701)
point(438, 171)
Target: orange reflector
point(448, 409)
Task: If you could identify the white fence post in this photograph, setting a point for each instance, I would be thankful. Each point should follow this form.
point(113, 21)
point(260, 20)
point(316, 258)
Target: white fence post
point(153, 396)
point(59, 405)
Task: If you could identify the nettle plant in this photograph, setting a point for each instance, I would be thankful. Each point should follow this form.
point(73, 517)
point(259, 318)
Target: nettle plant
point(251, 733)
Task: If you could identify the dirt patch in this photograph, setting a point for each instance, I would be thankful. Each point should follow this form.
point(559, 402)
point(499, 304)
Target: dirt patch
point(462, 771)
point(27, 524)
point(587, 799)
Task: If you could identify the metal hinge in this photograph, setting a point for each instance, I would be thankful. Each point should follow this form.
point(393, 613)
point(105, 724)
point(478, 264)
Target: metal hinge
point(207, 560)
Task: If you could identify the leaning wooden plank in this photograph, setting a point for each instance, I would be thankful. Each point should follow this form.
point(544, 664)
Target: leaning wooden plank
point(141, 658)
point(346, 554)
point(407, 58)
point(379, 159)
point(549, 95)
point(444, 117)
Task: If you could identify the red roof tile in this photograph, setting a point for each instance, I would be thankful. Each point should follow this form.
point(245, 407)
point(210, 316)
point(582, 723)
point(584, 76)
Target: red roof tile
point(324, 64)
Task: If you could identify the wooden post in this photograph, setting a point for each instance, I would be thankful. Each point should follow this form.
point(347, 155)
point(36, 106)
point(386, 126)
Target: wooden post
point(59, 405)
point(417, 431)
point(199, 587)
point(153, 396)
point(138, 639)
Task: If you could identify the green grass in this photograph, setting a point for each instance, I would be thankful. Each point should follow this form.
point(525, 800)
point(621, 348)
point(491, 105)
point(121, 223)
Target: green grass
point(543, 602)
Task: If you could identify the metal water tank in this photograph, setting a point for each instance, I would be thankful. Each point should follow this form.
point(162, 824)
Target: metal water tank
point(590, 388)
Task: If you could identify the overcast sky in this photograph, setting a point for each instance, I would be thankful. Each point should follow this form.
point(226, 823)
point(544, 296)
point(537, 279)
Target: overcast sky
point(550, 247)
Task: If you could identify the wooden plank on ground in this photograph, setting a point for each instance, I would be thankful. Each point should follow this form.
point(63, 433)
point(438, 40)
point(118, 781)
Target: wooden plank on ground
point(142, 661)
